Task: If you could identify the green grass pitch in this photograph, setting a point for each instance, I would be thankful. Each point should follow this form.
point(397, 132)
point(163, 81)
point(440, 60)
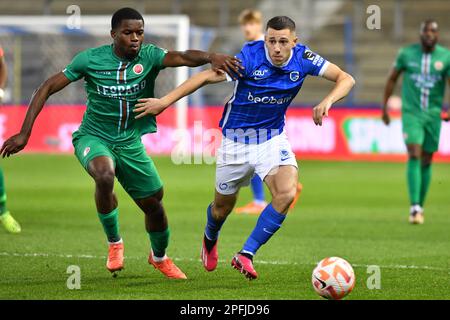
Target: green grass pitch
point(357, 211)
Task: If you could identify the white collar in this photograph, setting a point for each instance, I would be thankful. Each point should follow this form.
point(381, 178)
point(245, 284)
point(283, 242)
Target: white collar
point(270, 60)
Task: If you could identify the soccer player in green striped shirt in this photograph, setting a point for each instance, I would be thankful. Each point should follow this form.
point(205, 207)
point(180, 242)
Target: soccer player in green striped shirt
point(6, 219)
point(426, 69)
point(108, 141)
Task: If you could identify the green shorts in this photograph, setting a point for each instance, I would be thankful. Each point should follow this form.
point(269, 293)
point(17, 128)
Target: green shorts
point(423, 129)
point(134, 169)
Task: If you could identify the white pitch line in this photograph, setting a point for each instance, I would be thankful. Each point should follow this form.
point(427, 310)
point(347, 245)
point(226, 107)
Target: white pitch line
point(282, 263)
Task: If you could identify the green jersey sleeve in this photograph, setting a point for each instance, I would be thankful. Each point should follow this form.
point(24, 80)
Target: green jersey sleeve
point(156, 56)
point(448, 64)
point(77, 68)
point(399, 63)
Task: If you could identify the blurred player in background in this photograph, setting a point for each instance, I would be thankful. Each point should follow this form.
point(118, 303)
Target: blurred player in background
point(251, 23)
point(108, 141)
point(426, 68)
point(252, 124)
point(10, 224)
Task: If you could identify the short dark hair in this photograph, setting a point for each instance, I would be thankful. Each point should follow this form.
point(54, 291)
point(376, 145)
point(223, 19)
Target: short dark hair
point(427, 22)
point(124, 14)
point(280, 23)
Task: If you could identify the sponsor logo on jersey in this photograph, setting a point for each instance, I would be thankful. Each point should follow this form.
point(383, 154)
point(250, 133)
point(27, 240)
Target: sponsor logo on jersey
point(113, 91)
point(269, 99)
point(259, 74)
point(309, 55)
point(318, 61)
point(294, 75)
point(438, 65)
point(427, 81)
point(103, 72)
point(138, 68)
point(86, 151)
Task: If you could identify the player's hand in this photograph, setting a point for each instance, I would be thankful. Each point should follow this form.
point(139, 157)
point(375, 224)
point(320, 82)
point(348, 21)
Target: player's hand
point(320, 111)
point(224, 63)
point(14, 144)
point(445, 116)
point(149, 106)
point(385, 117)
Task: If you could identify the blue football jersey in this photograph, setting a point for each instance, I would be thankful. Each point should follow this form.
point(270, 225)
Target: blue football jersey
point(256, 111)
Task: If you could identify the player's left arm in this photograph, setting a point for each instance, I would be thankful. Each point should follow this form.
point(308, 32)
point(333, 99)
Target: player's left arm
point(445, 114)
point(344, 83)
point(196, 58)
point(3, 75)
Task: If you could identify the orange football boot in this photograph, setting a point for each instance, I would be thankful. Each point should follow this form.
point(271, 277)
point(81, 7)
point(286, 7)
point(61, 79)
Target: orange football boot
point(115, 257)
point(167, 267)
point(251, 208)
point(297, 195)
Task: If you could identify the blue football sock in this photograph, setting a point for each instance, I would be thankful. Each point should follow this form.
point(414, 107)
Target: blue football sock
point(268, 223)
point(257, 188)
point(212, 225)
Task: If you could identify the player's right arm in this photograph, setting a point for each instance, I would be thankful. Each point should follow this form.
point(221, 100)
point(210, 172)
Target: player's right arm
point(3, 74)
point(153, 106)
point(73, 72)
point(390, 85)
point(388, 91)
point(18, 141)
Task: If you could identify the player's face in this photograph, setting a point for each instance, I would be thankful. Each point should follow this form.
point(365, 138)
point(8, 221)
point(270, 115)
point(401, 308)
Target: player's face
point(128, 38)
point(429, 35)
point(251, 30)
point(279, 44)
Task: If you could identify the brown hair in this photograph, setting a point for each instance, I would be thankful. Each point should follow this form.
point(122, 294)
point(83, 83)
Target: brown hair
point(250, 15)
point(280, 23)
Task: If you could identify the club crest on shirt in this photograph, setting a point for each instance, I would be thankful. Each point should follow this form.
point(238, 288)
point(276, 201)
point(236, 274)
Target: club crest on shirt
point(294, 75)
point(138, 68)
point(86, 151)
point(438, 65)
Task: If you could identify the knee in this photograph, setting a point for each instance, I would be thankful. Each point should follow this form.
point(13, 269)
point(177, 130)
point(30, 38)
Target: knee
point(414, 153)
point(414, 156)
point(152, 205)
point(426, 160)
point(284, 198)
point(104, 178)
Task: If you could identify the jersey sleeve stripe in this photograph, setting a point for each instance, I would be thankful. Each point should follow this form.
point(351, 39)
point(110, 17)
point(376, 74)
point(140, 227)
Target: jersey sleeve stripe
point(323, 69)
point(230, 104)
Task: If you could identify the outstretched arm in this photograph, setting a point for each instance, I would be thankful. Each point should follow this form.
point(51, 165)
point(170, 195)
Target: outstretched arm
point(344, 83)
point(388, 90)
point(153, 106)
point(18, 141)
point(196, 58)
point(446, 114)
point(3, 75)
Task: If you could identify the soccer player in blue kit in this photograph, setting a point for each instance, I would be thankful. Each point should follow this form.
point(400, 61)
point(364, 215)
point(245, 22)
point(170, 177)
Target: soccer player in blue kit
point(252, 124)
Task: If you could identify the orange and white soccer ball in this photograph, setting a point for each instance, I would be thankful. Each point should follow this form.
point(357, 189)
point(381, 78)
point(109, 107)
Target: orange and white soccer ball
point(333, 278)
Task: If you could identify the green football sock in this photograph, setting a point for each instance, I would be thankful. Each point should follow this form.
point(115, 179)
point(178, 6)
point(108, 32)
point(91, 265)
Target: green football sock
point(414, 180)
point(159, 242)
point(110, 222)
point(2, 194)
point(426, 179)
